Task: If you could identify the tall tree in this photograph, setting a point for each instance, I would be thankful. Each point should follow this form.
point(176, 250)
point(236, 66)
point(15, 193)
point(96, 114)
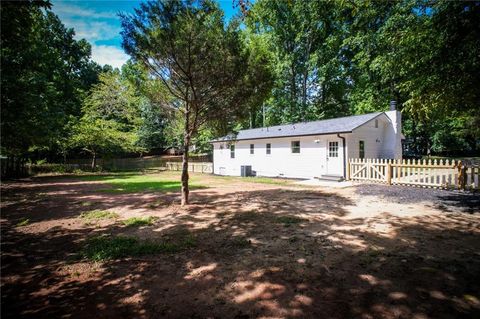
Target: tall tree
point(45, 75)
point(187, 45)
point(111, 118)
point(306, 38)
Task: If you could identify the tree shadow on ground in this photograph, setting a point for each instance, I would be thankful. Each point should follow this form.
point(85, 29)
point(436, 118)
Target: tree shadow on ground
point(288, 253)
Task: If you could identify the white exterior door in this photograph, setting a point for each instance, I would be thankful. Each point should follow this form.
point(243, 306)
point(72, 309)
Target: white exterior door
point(334, 158)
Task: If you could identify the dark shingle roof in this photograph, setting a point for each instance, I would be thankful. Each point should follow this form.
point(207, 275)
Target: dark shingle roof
point(331, 126)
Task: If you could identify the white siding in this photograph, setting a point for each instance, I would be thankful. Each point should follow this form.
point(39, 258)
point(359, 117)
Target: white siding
point(310, 162)
point(381, 142)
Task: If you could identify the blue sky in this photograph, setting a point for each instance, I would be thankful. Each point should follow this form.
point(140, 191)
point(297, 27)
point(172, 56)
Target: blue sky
point(98, 23)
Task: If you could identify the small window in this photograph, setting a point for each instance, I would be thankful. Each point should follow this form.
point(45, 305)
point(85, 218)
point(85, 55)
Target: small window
point(221, 146)
point(252, 148)
point(295, 146)
point(232, 151)
point(269, 148)
point(376, 123)
point(361, 149)
point(332, 149)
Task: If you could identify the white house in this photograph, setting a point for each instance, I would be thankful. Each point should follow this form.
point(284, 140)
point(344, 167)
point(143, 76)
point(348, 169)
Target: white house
point(309, 149)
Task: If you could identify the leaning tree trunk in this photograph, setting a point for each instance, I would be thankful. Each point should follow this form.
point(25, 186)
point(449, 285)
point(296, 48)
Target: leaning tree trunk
point(185, 190)
point(94, 161)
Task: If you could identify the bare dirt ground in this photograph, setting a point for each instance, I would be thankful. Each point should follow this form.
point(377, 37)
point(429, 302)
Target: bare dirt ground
point(261, 251)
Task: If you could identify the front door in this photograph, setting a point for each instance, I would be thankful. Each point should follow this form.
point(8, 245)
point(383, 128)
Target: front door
point(334, 158)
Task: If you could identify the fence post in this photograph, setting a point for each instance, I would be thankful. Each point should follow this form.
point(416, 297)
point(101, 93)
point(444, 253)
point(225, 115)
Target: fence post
point(459, 175)
point(389, 173)
point(462, 176)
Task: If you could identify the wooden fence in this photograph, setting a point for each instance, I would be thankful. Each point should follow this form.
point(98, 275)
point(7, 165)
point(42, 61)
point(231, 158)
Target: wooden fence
point(431, 173)
point(192, 167)
point(13, 167)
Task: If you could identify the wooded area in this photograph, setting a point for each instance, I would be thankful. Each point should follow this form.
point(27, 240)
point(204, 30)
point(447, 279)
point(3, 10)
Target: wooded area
point(194, 75)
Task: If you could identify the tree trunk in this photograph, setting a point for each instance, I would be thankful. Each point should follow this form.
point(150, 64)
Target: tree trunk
point(185, 190)
point(94, 161)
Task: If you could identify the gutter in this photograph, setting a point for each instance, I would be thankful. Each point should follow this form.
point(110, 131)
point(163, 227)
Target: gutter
point(344, 156)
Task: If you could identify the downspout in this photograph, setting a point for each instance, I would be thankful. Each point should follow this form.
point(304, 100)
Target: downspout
point(213, 158)
point(344, 157)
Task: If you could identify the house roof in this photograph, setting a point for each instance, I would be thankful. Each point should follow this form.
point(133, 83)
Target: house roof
point(332, 126)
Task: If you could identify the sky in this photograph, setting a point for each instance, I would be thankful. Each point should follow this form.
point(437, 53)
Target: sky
point(98, 23)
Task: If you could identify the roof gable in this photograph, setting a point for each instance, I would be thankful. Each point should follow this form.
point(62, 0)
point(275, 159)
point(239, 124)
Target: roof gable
point(322, 127)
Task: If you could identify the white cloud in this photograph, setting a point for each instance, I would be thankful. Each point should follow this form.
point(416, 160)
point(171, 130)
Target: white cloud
point(92, 30)
point(106, 54)
point(63, 9)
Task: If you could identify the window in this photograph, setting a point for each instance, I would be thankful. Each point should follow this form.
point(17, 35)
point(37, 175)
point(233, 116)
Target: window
point(221, 146)
point(269, 148)
point(376, 123)
point(232, 151)
point(252, 148)
point(361, 149)
point(295, 146)
point(332, 149)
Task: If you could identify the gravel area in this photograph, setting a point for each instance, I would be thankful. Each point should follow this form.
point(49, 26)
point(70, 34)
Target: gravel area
point(446, 200)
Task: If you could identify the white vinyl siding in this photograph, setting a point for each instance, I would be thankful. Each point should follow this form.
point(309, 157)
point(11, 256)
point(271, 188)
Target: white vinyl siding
point(281, 162)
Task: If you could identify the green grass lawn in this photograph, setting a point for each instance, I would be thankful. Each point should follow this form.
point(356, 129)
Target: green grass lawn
point(135, 182)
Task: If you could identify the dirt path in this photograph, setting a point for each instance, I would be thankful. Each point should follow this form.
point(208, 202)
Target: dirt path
point(261, 251)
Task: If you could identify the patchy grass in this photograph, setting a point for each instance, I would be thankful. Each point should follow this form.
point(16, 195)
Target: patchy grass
point(288, 220)
point(139, 221)
point(104, 248)
point(98, 215)
point(135, 183)
point(23, 222)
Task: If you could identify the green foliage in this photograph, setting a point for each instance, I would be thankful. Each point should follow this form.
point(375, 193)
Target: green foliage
point(333, 58)
point(193, 76)
point(201, 60)
point(425, 56)
point(98, 215)
point(139, 221)
point(48, 168)
point(45, 75)
point(309, 58)
point(111, 118)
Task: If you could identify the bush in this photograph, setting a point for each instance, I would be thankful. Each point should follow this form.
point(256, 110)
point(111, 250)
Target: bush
point(49, 168)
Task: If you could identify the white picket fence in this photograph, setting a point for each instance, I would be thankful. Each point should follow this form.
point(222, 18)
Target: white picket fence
point(201, 167)
point(427, 173)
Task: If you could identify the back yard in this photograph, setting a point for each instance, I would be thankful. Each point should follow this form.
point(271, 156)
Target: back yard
point(117, 246)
